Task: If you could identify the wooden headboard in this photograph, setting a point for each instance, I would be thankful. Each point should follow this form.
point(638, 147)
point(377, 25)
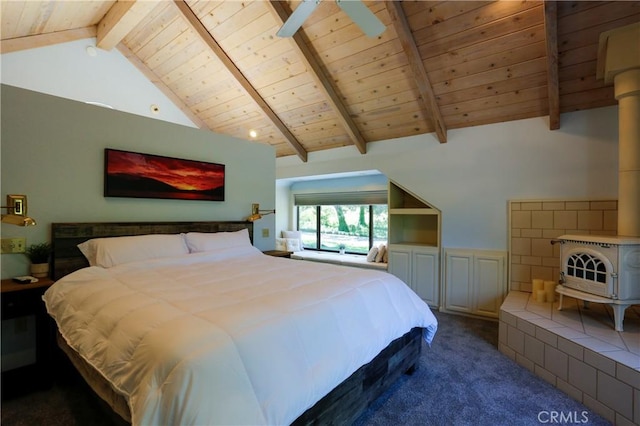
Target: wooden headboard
point(65, 237)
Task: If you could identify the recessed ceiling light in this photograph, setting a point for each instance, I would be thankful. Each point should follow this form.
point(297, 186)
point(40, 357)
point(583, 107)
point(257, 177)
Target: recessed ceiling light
point(155, 109)
point(253, 134)
point(92, 51)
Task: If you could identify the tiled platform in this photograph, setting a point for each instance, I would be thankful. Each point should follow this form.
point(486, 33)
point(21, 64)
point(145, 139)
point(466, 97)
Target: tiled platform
point(578, 351)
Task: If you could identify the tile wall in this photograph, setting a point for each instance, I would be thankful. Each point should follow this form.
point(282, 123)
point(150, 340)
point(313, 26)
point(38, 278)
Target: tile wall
point(534, 223)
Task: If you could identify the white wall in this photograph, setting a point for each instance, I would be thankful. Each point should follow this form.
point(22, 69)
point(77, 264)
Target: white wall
point(472, 176)
point(284, 208)
point(53, 151)
point(66, 70)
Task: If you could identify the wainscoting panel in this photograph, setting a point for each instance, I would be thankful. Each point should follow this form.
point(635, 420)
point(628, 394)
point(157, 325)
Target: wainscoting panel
point(475, 281)
point(400, 264)
point(490, 280)
point(425, 277)
point(458, 280)
point(418, 266)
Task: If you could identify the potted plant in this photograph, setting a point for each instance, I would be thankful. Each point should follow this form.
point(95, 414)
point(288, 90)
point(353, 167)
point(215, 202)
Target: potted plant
point(342, 247)
point(39, 254)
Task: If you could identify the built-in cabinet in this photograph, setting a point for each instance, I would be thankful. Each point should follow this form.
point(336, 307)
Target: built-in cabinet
point(414, 249)
point(472, 281)
point(475, 281)
point(412, 220)
point(418, 266)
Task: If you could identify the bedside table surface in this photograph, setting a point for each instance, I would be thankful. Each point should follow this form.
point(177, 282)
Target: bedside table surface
point(278, 253)
point(10, 285)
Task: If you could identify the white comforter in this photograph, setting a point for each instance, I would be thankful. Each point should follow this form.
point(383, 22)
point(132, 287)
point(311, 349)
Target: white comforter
point(232, 337)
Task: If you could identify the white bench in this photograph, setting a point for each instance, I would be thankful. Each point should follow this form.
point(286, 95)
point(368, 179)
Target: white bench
point(358, 261)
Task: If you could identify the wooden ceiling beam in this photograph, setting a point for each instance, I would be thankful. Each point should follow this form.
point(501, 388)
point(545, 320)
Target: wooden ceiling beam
point(281, 11)
point(153, 78)
point(204, 34)
point(123, 17)
point(401, 25)
point(46, 39)
point(553, 85)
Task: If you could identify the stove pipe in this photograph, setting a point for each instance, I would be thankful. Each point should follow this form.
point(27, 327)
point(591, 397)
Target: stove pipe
point(619, 63)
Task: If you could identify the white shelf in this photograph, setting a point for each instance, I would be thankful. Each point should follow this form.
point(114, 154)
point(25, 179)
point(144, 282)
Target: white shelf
point(412, 221)
point(413, 244)
point(414, 211)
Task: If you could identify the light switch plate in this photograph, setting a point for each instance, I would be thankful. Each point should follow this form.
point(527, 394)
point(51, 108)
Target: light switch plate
point(13, 245)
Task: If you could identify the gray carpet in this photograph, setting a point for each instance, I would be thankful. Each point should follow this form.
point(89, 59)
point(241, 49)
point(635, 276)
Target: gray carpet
point(462, 380)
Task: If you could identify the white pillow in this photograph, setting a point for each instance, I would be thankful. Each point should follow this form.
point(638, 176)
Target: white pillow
point(382, 249)
point(385, 257)
point(199, 242)
point(281, 244)
point(293, 234)
point(109, 252)
point(293, 244)
point(371, 256)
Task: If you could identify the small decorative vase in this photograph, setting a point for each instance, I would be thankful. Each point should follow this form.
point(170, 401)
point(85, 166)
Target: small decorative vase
point(341, 251)
point(39, 270)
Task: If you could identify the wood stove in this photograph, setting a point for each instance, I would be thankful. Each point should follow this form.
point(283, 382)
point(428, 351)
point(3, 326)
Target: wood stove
point(607, 269)
point(600, 269)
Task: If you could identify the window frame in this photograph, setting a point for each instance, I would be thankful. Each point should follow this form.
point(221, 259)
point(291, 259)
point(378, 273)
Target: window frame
point(319, 228)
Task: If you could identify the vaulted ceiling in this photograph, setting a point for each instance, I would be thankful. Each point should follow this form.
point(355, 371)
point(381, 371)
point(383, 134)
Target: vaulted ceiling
point(439, 65)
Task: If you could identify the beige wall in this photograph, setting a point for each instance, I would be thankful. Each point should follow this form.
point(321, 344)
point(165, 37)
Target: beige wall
point(533, 224)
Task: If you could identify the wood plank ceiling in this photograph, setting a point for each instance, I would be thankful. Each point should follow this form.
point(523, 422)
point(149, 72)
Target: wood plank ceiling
point(439, 65)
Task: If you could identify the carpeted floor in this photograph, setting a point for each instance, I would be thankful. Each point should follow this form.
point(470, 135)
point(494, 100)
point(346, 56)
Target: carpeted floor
point(462, 380)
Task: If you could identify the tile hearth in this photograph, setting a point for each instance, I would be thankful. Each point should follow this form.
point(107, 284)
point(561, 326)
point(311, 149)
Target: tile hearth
point(577, 350)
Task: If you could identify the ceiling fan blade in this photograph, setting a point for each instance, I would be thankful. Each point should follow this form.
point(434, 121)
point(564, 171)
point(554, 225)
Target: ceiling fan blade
point(362, 16)
point(297, 18)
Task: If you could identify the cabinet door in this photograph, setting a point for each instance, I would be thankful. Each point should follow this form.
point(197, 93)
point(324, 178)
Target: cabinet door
point(425, 276)
point(400, 264)
point(474, 281)
point(488, 284)
point(459, 281)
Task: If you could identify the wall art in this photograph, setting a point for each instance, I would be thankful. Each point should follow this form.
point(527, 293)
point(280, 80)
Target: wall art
point(133, 174)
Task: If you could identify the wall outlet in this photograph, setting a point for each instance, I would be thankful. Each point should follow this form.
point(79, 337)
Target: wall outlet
point(265, 232)
point(13, 245)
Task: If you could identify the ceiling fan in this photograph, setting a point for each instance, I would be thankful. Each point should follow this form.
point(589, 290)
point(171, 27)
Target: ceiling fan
point(355, 9)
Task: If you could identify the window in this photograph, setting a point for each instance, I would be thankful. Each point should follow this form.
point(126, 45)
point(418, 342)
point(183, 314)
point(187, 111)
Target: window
point(329, 221)
point(308, 226)
point(588, 267)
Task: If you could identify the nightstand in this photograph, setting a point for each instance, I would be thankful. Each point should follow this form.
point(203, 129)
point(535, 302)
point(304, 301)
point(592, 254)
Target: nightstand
point(278, 253)
point(30, 331)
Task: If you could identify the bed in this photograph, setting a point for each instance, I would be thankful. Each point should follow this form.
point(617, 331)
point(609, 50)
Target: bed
point(222, 333)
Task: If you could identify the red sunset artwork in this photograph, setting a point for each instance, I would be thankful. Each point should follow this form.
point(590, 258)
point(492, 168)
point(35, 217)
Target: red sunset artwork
point(133, 174)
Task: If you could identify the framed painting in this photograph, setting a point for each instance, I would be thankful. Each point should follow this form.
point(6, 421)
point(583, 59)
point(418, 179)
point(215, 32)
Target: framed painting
point(133, 174)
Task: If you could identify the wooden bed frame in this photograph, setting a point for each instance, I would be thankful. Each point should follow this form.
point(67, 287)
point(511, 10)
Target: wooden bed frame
point(65, 237)
point(343, 405)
